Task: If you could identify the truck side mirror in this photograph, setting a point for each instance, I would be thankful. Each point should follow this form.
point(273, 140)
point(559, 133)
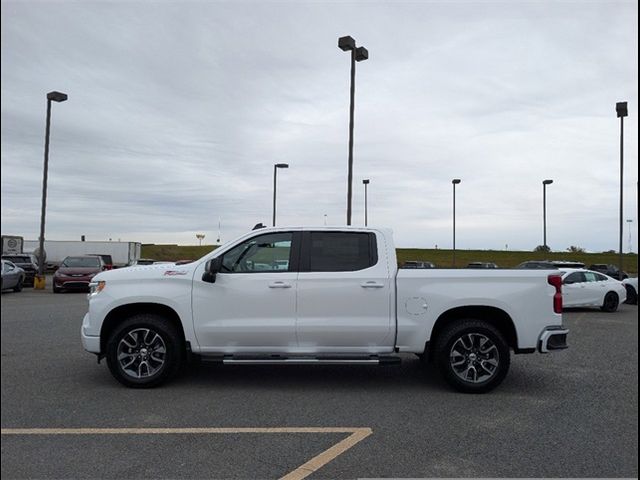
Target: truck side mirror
point(210, 269)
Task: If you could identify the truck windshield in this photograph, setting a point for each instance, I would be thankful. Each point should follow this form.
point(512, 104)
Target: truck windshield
point(81, 262)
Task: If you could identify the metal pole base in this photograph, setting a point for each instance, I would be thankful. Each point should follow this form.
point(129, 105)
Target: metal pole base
point(39, 282)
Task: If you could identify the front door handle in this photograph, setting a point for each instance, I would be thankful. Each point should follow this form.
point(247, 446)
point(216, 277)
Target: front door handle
point(279, 285)
point(372, 284)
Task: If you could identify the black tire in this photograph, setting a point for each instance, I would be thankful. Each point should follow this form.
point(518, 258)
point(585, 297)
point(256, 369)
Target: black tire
point(632, 296)
point(56, 289)
point(18, 287)
point(171, 342)
point(472, 332)
point(610, 303)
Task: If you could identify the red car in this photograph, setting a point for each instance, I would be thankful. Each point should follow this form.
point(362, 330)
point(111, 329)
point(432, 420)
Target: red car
point(75, 273)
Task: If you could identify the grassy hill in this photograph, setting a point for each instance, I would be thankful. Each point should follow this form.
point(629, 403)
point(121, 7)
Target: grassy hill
point(442, 258)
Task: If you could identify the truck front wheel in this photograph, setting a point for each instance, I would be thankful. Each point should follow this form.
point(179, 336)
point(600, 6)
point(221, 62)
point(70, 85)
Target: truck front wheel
point(472, 356)
point(144, 351)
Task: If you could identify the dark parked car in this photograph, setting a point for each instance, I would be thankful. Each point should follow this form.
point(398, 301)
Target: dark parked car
point(567, 264)
point(538, 264)
point(75, 273)
point(610, 270)
point(143, 261)
point(108, 261)
point(482, 265)
point(12, 276)
point(417, 264)
point(27, 263)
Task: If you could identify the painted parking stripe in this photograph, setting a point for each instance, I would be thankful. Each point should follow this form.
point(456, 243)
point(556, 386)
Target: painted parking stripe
point(304, 470)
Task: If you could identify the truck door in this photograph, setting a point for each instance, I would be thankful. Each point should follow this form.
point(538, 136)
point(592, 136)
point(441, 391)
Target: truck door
point(251, 307)
point(344, 293)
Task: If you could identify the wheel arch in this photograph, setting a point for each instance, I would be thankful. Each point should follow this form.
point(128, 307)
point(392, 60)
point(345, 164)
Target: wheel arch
point(496, 317)
point(119, 314)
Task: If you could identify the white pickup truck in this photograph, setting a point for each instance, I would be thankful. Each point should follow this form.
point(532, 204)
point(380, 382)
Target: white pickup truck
point(319, 295)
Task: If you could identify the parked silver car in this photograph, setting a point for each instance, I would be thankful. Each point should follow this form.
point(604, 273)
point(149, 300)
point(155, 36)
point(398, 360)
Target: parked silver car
point(12, 276)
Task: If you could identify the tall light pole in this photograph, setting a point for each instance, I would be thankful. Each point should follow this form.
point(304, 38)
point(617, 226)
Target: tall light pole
point(455, 182)
point(51, 97)
point(275, 175)
point(544, 211)
point(358, 54)
point(621, 111)
point(629, 222)
point(365, 182)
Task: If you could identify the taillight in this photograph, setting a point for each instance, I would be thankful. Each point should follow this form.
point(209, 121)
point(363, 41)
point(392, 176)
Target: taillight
point(556, 281)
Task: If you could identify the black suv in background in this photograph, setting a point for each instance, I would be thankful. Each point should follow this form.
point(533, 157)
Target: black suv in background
point(417, 264)
point(610, 270)
point(538, 264)
point(482, 265)
point(26, 262)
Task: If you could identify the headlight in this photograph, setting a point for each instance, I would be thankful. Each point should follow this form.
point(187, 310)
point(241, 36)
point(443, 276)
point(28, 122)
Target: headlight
point(96, 287)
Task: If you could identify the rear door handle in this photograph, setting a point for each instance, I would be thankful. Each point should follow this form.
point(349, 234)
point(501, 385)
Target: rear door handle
point(372, 284)
point(279, 285)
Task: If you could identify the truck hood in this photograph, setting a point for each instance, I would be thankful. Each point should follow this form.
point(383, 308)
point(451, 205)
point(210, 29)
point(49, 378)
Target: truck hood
point(148, 272)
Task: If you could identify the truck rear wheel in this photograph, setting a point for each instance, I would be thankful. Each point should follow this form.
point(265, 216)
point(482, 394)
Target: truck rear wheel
point(472, 356)
point(144, 351)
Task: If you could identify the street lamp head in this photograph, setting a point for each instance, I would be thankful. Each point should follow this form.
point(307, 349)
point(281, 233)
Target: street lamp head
point(57, 96)
point(365, 181)
point(547, 182)
point(456, 181)
point(361, 54)
point(282, 165)
point(346, 43)
point(621, 109)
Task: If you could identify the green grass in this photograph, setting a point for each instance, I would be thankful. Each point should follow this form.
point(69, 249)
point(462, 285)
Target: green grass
point(508, 259)
point(442, 258)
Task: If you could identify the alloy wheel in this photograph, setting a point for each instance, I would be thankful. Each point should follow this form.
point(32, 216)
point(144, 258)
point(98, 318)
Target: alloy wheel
point(141, 353)
point(474, 358)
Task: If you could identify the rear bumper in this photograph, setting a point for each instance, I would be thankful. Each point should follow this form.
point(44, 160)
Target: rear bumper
point(552, 339)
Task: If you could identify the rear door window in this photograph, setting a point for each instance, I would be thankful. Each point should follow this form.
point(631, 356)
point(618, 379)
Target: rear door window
point(339, 251)
point(576, 277)
point(591, 277)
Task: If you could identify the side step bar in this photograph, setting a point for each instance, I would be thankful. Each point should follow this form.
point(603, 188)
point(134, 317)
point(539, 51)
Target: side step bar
point(281, 360)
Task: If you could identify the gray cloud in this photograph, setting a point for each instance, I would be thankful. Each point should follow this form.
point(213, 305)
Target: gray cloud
point(178, 111)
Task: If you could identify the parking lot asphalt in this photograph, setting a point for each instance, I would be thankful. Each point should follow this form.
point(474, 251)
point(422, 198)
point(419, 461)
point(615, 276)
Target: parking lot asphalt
point(571, 414)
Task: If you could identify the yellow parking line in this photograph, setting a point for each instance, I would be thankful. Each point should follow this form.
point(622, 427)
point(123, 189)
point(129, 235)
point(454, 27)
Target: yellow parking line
point(317, 462)
point(325, 457)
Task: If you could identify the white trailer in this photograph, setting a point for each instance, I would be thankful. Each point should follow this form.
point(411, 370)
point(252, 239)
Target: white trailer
point(122, 253)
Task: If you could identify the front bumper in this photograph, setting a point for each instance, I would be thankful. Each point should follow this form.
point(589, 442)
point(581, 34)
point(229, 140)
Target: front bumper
point(91, 343)
point(552, 339)
point(72, 283)
point(29, 277)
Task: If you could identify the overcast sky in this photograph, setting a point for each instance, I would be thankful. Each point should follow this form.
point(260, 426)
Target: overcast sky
point(177, 112)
